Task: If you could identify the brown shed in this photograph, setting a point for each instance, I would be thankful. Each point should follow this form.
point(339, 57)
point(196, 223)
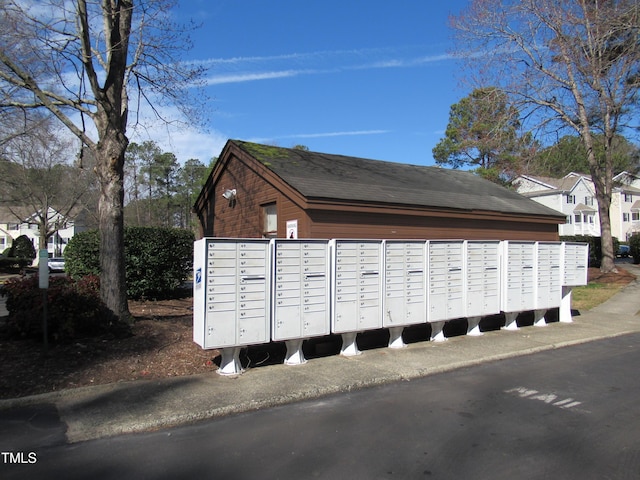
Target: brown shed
point(258, 191)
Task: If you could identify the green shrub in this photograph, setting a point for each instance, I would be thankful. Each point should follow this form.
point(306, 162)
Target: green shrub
point(634, 247)
point(74, 309)
point(82, 254)
point(23, 248)
point(157, 260)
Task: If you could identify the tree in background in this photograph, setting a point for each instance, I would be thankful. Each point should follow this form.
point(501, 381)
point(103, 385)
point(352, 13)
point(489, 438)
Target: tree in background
point(38, 182)
point(565, 64)
point(88, 61)
point(160, 192)
point(191, 176)
point(484, 132)
point(569, 155)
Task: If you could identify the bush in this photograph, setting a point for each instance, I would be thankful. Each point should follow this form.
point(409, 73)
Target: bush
point(157, 260)
point(634, 247)
point(22, 248)
point(20, 255)
point(82, 254)
point(74, 309)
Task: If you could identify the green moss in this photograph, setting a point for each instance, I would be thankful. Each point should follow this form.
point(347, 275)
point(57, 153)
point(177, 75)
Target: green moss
point(265, 151)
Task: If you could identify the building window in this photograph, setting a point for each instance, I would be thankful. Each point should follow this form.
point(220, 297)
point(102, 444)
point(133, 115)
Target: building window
point(3, 243)
point(578, 218)
point(635, 216)
point(568, 222)
point(625, 217)
point(628, 198)
point(591, 219)
point(571, 199)
point(588, 201)
point(270, 219)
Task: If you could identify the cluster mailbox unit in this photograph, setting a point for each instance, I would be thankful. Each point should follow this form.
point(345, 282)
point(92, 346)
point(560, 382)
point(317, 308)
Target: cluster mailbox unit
point(232, 295)
point(301, 294)
point(575, 263)
point(357, 300)
point(405, 287)
point(252, 291)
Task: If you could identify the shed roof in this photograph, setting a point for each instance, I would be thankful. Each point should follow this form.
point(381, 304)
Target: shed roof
point(338, 177)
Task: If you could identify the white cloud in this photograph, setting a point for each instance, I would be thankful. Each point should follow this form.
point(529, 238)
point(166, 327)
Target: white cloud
point(245, 69)
point(320, 135)
point(250, 77)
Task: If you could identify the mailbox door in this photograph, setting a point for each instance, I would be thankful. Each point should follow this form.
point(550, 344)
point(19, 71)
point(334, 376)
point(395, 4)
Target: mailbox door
point(519, 276)
point(404, 284)
point(483, 278)
point(549, 284)
point(301, 306)
point(446, 291)
point(370, 285)
point(357, 285)
point(231, 292)
point(575, 263)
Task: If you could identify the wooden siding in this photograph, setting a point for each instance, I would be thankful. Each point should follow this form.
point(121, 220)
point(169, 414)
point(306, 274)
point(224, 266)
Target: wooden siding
point(331, 224)
point(255, 187)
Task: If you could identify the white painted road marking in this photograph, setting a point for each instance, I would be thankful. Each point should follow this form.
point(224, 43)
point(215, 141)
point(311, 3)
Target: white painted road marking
point(549, 398)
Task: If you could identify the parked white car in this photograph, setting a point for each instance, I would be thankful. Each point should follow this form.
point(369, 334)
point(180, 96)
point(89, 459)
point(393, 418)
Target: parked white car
point(56, 264)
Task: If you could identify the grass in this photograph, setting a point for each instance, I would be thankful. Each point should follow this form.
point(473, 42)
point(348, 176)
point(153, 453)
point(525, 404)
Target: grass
point(593, 294)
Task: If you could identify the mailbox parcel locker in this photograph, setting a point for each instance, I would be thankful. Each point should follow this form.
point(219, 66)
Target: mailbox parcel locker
point(301, 289)
point(483, 277)
point(575, 263)
point(518, 278)
point(231, 292)
point(549, 275)
point(357, 285)
point(446, 289)
point(405, 296)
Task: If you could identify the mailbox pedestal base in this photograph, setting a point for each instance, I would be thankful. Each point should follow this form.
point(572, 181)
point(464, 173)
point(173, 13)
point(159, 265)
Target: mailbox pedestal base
point(538, 318)
point(294, 352)
point(230, 361)
point(395, 337)
point(349, 345)
point(437, 335)
point(473, 326)
point(510, 321)
point(565, 306)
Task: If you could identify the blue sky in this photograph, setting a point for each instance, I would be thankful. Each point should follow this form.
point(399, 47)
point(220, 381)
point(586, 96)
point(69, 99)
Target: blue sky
point(372, 79)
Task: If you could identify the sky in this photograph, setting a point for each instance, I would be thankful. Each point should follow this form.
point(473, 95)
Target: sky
point(365, 78)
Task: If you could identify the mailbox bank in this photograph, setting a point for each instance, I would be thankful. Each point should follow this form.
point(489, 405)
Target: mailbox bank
point(252, 291)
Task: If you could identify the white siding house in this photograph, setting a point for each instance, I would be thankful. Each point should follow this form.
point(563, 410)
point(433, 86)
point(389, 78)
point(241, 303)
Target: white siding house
point(625, 205)
point(574, 196)
point(11, 228)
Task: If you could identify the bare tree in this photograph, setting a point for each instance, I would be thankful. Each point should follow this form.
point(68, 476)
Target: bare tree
point(92, 65)
point(566, 64)
point(38, 181)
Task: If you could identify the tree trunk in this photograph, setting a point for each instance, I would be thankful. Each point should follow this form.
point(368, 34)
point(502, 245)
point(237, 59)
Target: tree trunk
point(110, 172)
point(603, 184)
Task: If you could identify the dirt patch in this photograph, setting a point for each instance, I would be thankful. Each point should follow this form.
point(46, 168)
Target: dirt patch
point(621, 277)
point(160, 346)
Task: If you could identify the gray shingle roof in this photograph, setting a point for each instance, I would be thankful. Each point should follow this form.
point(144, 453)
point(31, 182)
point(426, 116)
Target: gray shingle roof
point(338, 177)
